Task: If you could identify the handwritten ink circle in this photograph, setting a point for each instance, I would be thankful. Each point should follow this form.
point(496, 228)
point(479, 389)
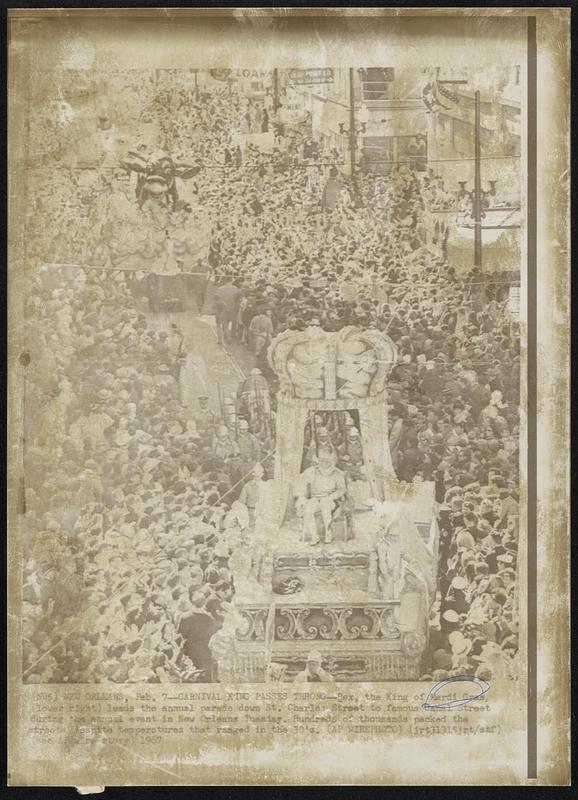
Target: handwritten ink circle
point(483, 687)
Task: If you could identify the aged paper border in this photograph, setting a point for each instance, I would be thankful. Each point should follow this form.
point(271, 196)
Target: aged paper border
point(547, 364)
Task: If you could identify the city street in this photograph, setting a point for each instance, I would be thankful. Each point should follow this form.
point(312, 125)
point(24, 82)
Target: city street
point(209, 367)
point(343, 228)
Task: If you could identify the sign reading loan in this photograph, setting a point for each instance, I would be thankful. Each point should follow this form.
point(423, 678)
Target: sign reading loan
point(304, 76)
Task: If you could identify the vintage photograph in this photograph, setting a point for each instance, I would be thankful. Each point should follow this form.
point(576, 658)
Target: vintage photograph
point(272, 382)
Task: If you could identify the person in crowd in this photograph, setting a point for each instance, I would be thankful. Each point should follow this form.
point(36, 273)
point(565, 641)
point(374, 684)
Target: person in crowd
point(224, 445)
point(249, 447)
point(226, 301)
point(313, 671)
point(205, 420)
point(321, 488)
point(249, 495)
point(261, 330)
point(196, 629)
point(351, 454)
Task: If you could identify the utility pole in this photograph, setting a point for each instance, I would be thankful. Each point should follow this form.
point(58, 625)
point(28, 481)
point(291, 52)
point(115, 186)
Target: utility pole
point(352, 131)
point(477, 204)
point(275, 89)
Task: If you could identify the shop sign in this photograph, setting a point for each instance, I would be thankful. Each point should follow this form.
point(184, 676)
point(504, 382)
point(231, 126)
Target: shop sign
point(310, 76)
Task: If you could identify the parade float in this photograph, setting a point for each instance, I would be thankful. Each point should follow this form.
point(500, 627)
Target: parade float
point(356, 587)
point(155, 230)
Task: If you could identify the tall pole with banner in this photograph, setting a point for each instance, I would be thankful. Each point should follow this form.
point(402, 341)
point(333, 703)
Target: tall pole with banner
point(352, 133)
point(477, 204)
point(275, 89)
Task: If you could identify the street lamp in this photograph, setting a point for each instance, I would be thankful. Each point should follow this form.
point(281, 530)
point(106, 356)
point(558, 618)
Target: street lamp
point(479, 199)
point(352, 146)
point(478, 196)
point(346, 132)
point(276, 103)
point(353, 133)
point(485, 194)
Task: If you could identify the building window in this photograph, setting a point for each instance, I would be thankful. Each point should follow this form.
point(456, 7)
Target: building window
point(376, 83)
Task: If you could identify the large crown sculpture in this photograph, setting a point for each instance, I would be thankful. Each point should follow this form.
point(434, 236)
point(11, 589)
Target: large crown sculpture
point(332, 371)
point(346, 366)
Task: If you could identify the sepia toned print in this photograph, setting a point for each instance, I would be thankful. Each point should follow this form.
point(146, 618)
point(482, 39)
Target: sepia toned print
point(275, 386)
point(273, 427)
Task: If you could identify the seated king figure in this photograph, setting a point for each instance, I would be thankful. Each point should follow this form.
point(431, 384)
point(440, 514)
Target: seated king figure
point(322, 487)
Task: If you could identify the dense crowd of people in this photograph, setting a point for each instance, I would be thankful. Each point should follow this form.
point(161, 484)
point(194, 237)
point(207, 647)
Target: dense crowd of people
point(136, 494)
point(121, 489)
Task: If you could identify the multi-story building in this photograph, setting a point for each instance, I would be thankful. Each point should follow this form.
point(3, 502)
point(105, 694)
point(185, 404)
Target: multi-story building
point(425, 118)
point(387, 117)
point(451, 134)
point(451, 138)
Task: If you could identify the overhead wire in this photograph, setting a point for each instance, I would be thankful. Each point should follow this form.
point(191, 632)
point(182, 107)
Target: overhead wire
point(408, 282)
point(306, 165)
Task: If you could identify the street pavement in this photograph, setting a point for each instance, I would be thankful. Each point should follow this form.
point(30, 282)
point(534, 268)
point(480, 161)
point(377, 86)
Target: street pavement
point(209, 367)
